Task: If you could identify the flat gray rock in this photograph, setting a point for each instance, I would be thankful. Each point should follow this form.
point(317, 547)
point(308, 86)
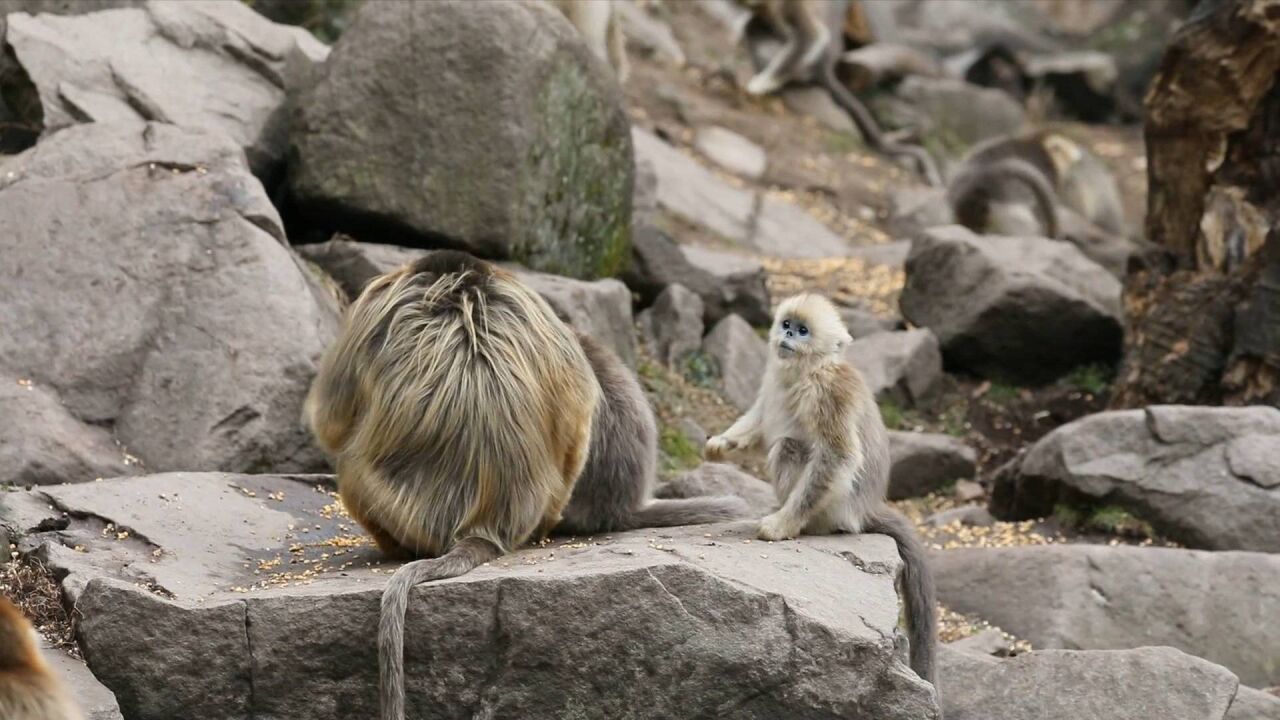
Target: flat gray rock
point(741, 356)
point(731, 151)
point(785, 230)
point(91, 696)
point(148, 287)
point(427, 119)
point(693, 193)
point(1025, 309)
point(816, 102)
point(1203, 476)
point(924, 462)
point(903, 365)
point(1142, 684)
point(277, 618)
point(121, 64)
point(1218, 606)
point(988, 642)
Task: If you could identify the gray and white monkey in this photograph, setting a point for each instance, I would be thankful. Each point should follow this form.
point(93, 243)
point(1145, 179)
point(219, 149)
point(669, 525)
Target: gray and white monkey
point(810, 52)
point(828, 453)
point(1027, 184)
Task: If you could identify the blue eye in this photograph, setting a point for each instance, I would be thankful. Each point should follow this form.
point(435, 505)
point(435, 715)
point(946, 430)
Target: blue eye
point(804, 330)
point(786, 324)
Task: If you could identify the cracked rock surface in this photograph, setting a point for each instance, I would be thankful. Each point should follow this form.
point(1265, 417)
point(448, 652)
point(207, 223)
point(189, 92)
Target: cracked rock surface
point(1206, 477)
point(1218, 606)
point(120, 64)
point(687, 622)
point(147, 288)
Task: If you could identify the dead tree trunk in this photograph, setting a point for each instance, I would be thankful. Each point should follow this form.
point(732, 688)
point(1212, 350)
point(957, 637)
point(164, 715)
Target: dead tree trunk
point(1204, 325)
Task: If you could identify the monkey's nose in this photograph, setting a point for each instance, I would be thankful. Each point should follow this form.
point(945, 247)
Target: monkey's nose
point(789, 334)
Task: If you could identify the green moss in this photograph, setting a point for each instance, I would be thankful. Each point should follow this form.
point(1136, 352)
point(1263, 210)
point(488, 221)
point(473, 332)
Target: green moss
point(580, 172)
point(1002, 392)
point(840, 142)
point(1093, 379)
point(676, 451)
point(701, 369)
point(1106, 519)
point(893, 414)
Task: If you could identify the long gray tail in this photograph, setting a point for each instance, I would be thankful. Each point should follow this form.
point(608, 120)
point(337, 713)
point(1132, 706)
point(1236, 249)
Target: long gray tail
point(686, 511)
point(917, 589)
point(979, 179)
point(461, 559)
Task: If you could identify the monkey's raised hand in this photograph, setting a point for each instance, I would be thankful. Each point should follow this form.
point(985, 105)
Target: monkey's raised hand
point(717, 447)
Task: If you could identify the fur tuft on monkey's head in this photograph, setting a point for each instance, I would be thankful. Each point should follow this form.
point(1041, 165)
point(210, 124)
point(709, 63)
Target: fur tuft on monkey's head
point(807, 326)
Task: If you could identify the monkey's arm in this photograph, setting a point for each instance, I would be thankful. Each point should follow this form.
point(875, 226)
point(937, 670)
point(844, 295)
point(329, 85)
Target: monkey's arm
point(330, 407)
point(741, 435)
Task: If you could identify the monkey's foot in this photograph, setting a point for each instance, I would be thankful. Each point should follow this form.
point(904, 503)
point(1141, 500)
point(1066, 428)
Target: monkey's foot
point(763, 84)
point(777, 526)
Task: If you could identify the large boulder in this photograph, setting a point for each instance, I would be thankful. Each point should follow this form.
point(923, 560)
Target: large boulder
point(1142, 684)
point(1218, 606)
point(731, 151)
point(904, 366)
point(921, 463)
point(1025, 309)
point(213, 64)
point(42, 443)
point(278, 618)
point(1204, 476)
point(952, 112)
point(430, 122)
point(741, 357)
point(600, 308)
point(693, 193)
point(146, 284)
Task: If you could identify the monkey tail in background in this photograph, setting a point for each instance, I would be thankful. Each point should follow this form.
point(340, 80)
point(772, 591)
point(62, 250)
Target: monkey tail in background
point(871, 129)
point(918, 591)
point(466, 555)
point(972, 184)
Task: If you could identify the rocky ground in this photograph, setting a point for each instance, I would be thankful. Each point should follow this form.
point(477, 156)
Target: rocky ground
point(178, 254)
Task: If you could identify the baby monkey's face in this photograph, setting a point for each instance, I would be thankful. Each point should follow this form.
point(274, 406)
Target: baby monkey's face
point(807, 326)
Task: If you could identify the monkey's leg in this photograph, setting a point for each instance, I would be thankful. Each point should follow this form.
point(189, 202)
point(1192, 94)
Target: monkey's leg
point(813, 490)
point(575, 459)
point(776, 73)
point(816, 36)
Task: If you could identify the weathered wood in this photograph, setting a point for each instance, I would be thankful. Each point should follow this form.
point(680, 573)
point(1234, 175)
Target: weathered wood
point(1214, 75)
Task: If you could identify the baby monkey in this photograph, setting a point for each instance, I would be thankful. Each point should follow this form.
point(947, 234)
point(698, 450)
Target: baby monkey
point(29, 690)
point(828, 453)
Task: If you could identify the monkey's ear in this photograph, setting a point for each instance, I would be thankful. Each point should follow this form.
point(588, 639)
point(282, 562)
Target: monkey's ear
point(843, 340)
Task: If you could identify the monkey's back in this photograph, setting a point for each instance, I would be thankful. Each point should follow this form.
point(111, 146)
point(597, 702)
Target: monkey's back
point(470, 394)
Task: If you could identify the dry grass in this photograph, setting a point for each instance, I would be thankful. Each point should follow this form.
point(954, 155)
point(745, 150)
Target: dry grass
point(30, 586)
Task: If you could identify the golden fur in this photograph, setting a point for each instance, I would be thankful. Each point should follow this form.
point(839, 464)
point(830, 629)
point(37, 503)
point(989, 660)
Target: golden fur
point(29, 690)
point(829, 452)
point(457, 405)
